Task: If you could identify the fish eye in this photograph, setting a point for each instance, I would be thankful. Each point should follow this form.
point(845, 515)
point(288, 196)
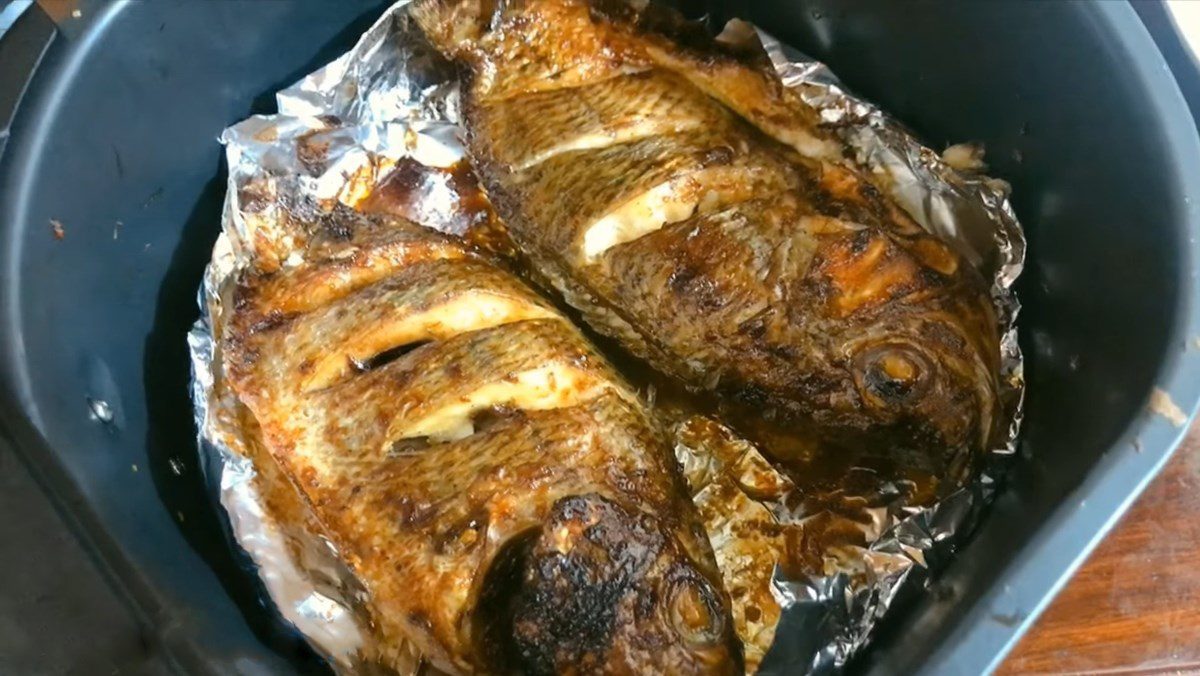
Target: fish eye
point(694, 612)
point(891, 374)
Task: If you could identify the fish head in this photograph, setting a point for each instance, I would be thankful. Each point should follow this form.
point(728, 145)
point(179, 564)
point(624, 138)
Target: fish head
point(915, 334)
point(601, 588)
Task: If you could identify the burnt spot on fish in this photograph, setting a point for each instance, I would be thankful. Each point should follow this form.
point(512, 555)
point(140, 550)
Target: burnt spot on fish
point(928, 277)
point(719, 156)
point(413, 513)
point(696, 287)
point(679, 280)
point(870, 192)
point(400, 377)
point(340, 231)
point(752, 395)
point(269, 322)
point(755, 328)
point(243, 296)
point(859, 242)
point(462, 534)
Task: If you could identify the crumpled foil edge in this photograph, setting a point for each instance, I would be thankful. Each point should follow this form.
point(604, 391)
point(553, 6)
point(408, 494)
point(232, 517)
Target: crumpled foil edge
point(385, 100)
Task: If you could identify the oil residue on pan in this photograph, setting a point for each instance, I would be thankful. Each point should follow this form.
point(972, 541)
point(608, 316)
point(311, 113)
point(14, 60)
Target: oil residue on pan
point(388, 109)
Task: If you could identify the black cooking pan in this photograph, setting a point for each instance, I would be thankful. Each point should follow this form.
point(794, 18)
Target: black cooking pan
point(110, 190)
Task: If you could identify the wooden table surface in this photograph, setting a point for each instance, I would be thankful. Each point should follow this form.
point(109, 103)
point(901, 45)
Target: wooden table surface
point(1134, 606)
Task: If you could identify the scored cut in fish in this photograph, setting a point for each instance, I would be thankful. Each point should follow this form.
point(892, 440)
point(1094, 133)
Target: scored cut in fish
point(690, 206)
point(500, 493)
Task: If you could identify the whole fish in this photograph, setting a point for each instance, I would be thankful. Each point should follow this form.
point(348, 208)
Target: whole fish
point(499, 492)
point(692, 207)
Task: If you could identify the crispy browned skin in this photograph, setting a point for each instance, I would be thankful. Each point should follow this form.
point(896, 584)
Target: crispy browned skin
point(497, 489)
point(687, 204)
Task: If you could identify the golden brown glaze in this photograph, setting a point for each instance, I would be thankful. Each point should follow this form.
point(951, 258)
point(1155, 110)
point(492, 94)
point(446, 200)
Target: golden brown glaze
point(691, 207)
point(499, 492)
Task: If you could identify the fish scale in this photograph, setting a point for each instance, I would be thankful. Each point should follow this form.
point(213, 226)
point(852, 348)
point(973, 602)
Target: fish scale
point(619, 110)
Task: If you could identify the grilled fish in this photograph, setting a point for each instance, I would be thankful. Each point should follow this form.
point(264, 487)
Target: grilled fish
point(690, 206)
point(498, 490)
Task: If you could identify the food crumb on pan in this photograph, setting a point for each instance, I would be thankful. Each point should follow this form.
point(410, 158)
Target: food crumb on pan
point(1008, 619)
point(134, 468)
point(966, 157)
point(1162, 404)
point(117, 229)
point(56, 227)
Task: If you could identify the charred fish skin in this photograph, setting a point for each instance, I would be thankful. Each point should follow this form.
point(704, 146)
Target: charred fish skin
point(480, 468)
point(682, 200)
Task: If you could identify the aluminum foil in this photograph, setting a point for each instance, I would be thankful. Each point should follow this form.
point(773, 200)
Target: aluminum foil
point(338, 134)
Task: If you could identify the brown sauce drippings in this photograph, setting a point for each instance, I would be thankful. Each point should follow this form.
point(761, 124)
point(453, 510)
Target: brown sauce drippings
point(449, 200)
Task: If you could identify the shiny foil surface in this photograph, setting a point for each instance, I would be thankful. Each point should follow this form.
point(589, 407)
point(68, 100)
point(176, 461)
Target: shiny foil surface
point(338, 134)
